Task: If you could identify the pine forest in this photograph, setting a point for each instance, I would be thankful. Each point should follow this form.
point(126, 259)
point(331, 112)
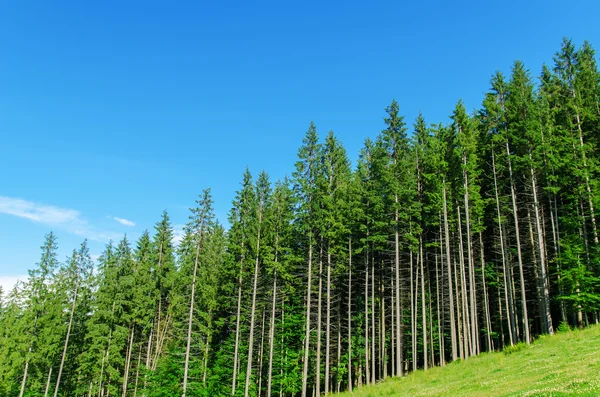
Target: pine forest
point(443, 241)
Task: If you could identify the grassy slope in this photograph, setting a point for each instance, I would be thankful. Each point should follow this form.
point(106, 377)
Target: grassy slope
point(567, 364)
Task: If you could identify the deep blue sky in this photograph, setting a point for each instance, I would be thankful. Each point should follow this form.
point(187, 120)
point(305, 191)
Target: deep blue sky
point(123, 109)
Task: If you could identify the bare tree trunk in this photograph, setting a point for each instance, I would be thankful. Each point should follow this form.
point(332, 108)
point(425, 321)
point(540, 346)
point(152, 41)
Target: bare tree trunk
point(237, 325)
point(413, 313)
point(367, 345)
point(260, 356)
point(328, 321)
point(137, 372)
point(350, 314)
point(253, 309)
point(440, 322)
point(48, 382)
point(128, 362)
point(423, 305)
point(384, 357)
point(191, 315)
point(24, 380)
point(471, 260)
point(64, 353)
point(307, 325)
point(26, 369)
point(503, 252)
point(392, 331)
point(464, 295)
point(519, 255)
point(545, 290)
point(449, 266)
point(488, 323)
point(373, 326)
point(148, 355)
point(272, 331)
point(319, 323)
point(206, 347)
point(398, 298)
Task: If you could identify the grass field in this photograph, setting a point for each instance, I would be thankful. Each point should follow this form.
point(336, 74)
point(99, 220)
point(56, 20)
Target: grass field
point(567, 364)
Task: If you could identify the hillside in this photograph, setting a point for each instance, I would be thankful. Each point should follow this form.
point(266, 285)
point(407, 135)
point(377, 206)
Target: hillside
point(566, 364)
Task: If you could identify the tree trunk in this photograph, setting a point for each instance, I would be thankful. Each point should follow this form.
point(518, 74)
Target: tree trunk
point(190, 317)
point(128, 362)
point(367, 345)
point(237, 325)
point(545, 290)
point(423, 305)
point(463, 281)
point(253, 308)
point(307, 325)
point(373, 326)
point(503, 253)
point(471, 260)
point(413, 313)
point(519, 255)
point(350, 314)
point(48, 382)
point(449, 266)
point(398, 299)
point(328, 321)
point(272, 332)
point(486, 309)
point(64, 353)
point(319, 323)
point(260, 355)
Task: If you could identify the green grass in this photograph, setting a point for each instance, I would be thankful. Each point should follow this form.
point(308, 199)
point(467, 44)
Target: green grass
point(567, 364)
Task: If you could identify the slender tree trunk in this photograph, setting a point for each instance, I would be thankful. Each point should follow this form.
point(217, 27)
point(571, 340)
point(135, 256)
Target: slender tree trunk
point(272, 332)
point(48, 382)
point(398, 298)
point(237, 324)
point(26, 369)
point(384, 357)
point(128, 362)
point(486, 309)
point(519, 255)
point(206, 347)
point(373, 326)
point(137, 372)
point(65, 347)
point(307, 325)
point(24, 380)
point(413, 312)
point(442, 349)
point(350, 314)
point(463, 279)
point(190, 317)
point(392, 330)
point(449, 266)
point(148, 355)
point(423, 305)
point(253, 309)
point(545, 312)
point(503, 253)
point(319, 323)
point(367, 345)
point(471, 260)
point(260, 355)
point(328, 321)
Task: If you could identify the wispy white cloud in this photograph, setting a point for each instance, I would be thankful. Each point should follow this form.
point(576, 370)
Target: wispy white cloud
point(8, 282)
point(66, 219)
point(124, 221)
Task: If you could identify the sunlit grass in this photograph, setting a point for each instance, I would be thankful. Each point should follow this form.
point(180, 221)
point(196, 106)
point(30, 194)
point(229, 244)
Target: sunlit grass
point(567, 364)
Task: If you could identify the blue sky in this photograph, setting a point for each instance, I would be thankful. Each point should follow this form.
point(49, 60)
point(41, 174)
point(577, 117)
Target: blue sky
point(111, 110)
